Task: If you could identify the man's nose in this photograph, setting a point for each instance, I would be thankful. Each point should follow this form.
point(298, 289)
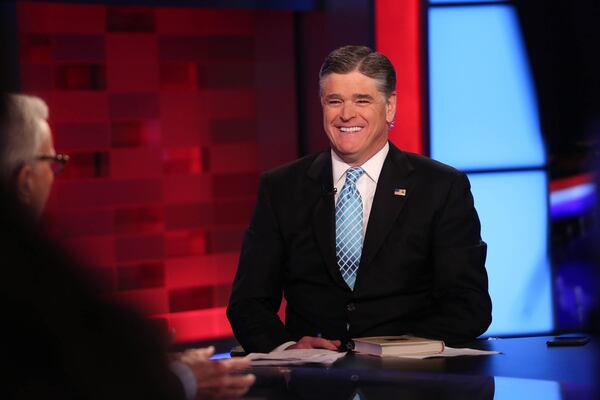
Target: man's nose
point(348, 112)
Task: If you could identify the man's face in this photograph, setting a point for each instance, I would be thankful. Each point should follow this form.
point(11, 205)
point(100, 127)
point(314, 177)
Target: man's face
point(356, 115)
point(36, 177)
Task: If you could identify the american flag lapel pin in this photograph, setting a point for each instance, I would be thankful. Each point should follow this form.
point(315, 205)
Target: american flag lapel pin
point(400, 192)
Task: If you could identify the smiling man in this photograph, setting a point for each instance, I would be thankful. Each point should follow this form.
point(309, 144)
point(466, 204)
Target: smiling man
point(363, 239)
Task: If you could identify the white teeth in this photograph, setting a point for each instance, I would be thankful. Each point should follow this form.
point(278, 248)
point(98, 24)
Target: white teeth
point(351, 129)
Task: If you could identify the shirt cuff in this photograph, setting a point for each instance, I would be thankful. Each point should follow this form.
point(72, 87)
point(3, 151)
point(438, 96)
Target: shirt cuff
point(187, 378)
point(284, 346)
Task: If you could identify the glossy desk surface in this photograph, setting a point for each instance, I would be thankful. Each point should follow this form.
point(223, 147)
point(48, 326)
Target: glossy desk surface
point(526, 369)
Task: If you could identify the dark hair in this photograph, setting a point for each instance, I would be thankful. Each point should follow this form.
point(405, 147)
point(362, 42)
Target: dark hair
point(364, 60)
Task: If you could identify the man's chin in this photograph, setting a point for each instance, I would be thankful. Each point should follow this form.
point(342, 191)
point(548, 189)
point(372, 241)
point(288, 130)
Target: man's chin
point(346, 155)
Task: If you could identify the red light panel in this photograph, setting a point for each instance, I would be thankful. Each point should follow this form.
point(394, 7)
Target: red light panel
point(158, 108)
point(398, 36)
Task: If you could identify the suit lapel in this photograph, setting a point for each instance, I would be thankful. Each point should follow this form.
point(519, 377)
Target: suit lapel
point(323, 220)
point(395, 174)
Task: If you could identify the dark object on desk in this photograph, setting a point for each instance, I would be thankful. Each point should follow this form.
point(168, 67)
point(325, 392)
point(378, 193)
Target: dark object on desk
point(237, 351)
point(347, 345)
point(558, 341)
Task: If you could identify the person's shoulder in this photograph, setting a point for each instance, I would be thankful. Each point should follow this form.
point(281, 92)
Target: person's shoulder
point(424, 165)
point(297, 168)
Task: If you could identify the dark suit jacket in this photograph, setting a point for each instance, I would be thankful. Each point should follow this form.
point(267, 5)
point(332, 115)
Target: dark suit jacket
point(61, 340)
point(421, 272)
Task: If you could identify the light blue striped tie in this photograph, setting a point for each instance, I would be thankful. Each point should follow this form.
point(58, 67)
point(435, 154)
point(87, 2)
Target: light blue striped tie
point(349, 227)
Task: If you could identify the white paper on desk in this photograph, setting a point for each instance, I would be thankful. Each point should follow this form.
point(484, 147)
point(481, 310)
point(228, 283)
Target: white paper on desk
point(295, 356)
point(452, 352)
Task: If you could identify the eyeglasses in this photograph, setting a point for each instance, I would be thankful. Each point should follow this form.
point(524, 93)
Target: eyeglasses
point(57, 162)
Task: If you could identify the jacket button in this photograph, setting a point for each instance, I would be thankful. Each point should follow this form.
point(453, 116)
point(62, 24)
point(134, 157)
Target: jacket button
point(351, 307)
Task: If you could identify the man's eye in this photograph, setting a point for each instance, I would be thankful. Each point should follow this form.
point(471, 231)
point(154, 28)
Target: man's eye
point(334, 102)
point(363, 101)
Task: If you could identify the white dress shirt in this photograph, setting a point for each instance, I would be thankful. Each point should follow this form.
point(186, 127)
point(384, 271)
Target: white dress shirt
point(366, 184)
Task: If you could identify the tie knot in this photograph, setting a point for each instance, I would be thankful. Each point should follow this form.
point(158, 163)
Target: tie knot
point(353, 174)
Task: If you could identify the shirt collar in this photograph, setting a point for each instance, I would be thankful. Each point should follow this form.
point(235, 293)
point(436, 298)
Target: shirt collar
point(372, 166)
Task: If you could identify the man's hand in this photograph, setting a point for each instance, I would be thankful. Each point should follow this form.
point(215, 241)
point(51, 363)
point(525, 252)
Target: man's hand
point(216, 378)
point(311, 342)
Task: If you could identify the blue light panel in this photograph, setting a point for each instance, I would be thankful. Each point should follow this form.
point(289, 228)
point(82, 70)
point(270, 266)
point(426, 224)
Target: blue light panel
point(481, 94)
point(513, 208)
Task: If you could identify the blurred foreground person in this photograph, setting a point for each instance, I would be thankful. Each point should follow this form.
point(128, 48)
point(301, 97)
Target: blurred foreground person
point(61, 339)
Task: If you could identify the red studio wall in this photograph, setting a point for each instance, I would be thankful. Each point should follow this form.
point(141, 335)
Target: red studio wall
point(398, 34)
point(169, 115)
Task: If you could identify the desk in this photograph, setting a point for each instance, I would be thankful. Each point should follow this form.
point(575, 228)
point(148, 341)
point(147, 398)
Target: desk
point(527, 369)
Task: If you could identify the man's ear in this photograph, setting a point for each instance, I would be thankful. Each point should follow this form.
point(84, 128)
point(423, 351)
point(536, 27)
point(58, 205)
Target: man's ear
point(390, 108)
point(24, 184)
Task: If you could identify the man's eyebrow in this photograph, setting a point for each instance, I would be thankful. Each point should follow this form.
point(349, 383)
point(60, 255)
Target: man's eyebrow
point(333, 96)
point(362, 97)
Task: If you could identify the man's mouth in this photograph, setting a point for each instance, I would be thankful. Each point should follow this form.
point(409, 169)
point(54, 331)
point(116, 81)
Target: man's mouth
point(350, 129)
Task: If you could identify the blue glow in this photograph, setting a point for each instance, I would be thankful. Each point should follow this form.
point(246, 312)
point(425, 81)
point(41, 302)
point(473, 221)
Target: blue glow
point(513, 208)
point(572, 201)
point(575, 292)
point(525, 389)
point(483, 107)
point(572, 193)
point(220, 356)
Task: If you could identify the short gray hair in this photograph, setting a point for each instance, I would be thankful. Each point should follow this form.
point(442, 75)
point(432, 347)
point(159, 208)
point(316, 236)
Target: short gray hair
point(21, 133)
point(364, 60)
